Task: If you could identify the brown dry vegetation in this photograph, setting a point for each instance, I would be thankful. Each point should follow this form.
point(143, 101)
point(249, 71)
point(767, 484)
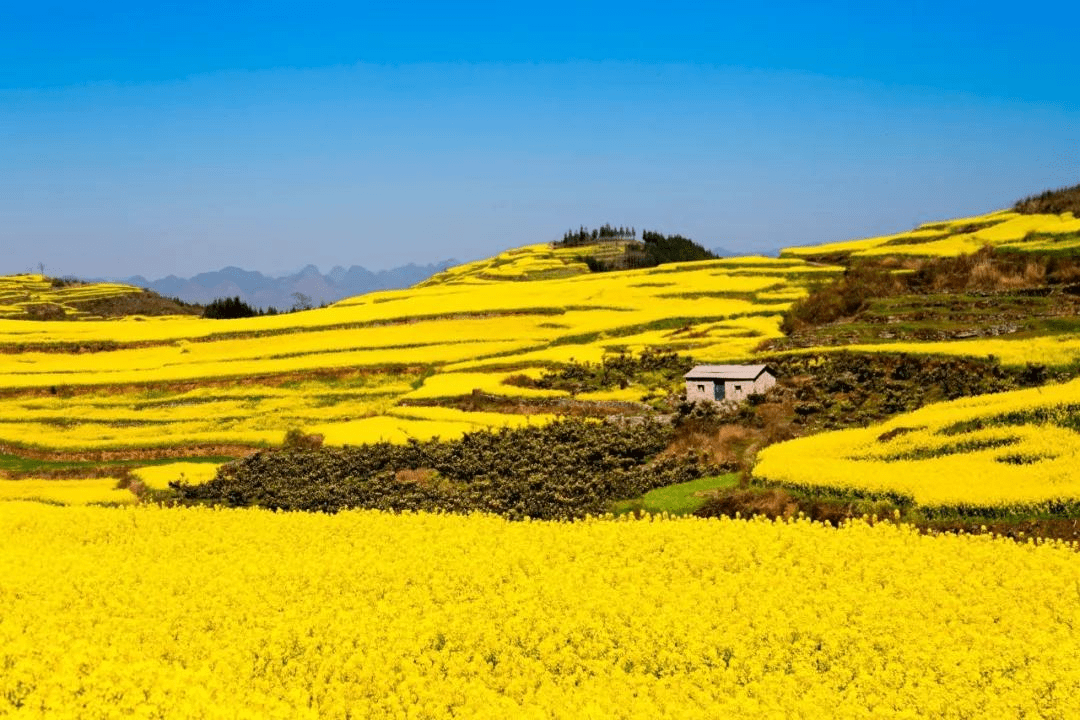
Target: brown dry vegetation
point(988, 271)
point(1066, 199)
point(728, 446)
point(147, 303)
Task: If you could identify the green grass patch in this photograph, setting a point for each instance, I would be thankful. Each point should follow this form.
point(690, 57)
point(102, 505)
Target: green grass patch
point(680, 499)
point(22, 465)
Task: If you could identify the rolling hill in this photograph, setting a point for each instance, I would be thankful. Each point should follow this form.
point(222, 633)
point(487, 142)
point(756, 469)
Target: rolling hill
point(531, 334)
point(555, 391)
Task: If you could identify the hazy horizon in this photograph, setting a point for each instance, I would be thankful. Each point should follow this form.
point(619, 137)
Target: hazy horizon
point(138, 140)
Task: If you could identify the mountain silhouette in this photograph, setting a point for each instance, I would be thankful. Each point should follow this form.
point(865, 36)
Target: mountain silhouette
point(263, 291)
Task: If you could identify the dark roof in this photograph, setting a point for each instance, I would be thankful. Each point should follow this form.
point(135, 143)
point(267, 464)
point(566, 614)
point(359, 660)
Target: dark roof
point(727, 372)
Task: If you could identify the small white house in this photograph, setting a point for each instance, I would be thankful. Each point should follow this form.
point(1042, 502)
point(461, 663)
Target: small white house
point(727, 383)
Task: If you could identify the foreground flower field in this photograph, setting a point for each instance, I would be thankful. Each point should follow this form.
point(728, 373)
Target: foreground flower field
point(148, 612)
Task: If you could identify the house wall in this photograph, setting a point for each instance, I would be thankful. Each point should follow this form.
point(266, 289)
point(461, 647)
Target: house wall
point(695, 393)
point(738, 390)
point(700, 390)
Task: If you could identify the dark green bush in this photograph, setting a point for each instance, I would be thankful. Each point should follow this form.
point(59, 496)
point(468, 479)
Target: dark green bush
point(566, 469)
point(228, 309)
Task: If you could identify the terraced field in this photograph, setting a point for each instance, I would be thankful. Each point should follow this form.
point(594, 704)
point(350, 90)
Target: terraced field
point(450, 355)
point(1001, 453)
point(355, 356)
point(36, 297)
point(384, 366)
point(1005, 229)
point(28, 296)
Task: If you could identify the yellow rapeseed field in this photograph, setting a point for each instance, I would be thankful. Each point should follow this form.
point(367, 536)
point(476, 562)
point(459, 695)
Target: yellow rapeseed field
point(20, 295)
point(148, 383)
point(66, 492)
point(200, 613)
point(1049, 350)
point(1006, 450)
point(158, 477)
point(1007, 229)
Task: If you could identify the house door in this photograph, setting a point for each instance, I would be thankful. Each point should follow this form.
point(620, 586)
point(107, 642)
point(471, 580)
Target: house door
point(718, 391)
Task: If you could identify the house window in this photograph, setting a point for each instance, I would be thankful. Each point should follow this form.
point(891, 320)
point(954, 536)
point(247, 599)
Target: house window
point(738, 388)
point(701, 388)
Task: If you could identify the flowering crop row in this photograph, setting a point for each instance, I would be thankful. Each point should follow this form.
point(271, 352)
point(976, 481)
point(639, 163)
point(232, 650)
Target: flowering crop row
point(198, 613)
point(1050, 350)
point(219, 381)
point(158, 477)
point(1005, 229)
point(20, 293)
point(66, 492)
point(1007, 450)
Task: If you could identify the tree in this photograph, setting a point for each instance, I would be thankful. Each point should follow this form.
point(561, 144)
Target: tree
point(229, 308)
point(301, 302)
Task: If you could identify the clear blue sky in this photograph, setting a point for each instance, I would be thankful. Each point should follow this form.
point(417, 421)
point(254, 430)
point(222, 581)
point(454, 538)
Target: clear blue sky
point(159, 138)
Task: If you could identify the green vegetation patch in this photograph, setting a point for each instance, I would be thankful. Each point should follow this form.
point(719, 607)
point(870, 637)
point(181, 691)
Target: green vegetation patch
point(1064, 416)
point(566, 469)
point(679, 499)
point(18, 466)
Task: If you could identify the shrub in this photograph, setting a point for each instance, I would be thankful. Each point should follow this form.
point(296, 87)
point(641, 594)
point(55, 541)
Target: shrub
point(842, 298)
point(566, 469)
point(228, 309)
point(1066, 199)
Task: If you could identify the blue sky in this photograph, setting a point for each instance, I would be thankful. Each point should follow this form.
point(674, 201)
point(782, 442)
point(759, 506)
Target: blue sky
point(176, 138)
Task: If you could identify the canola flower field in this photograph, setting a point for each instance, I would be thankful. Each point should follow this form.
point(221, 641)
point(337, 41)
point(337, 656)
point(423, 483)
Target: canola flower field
point(164, 613)
point(1051, 350)
point(137, 610)
point(345, 371)
point(358, 371)
point(1004, 229)
point(20, 295)
point(1003, 451)
point(365, 369)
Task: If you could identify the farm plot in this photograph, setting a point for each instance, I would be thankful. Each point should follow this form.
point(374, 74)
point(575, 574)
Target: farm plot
point(27, 296)
point(148, 384)
point(1004, 229)
point(261, 614)
point(1008, 452)
point(90, 491)
point(1052, 351)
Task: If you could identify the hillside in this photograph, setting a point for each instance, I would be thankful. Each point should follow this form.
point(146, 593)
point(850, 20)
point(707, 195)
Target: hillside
point(365, 368)
point(36, 297)
point(532, 334)
point(432, 433)
point(1006, 230)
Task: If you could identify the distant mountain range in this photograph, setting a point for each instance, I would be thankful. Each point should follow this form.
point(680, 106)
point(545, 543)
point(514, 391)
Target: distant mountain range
point(261, 291)
point(264, 291)
point(766, 251)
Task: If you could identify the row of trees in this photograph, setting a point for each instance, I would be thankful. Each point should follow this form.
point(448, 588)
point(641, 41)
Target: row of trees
point(230, 308)
point(654, 249)
point(604, 233)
